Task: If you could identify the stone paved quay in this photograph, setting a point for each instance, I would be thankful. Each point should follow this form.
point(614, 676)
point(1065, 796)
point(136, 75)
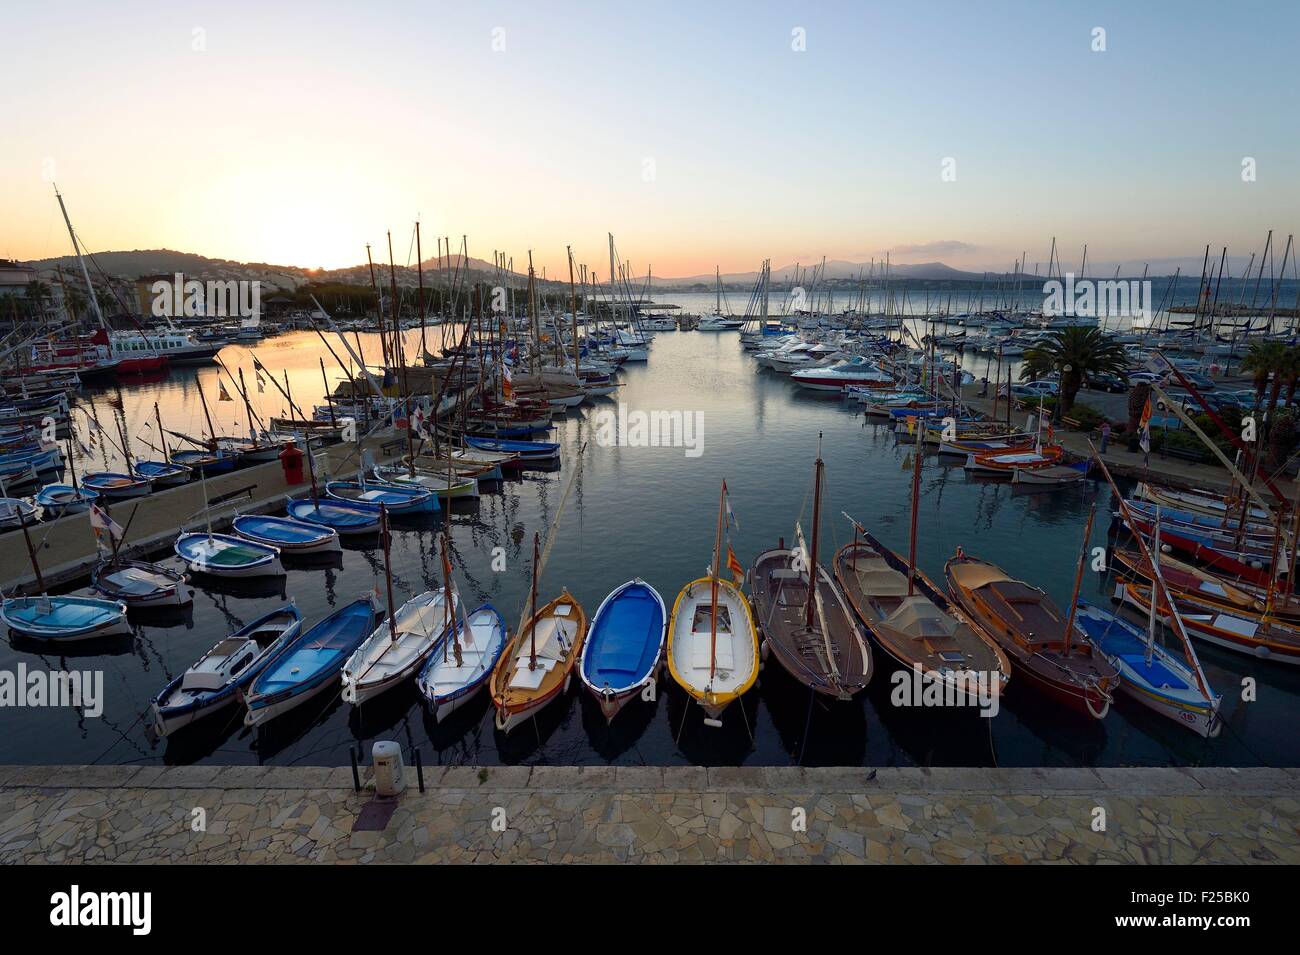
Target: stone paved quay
point(120, 814)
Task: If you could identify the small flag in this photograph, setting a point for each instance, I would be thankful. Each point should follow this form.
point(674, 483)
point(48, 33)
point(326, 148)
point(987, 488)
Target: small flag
point(103, 525)
point(222, 394)
point(737, 572)
point(731, 515)
point(507, 387)
point(1144, 428)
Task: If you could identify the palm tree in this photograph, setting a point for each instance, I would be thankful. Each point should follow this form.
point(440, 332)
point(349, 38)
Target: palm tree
point(1265, 360)
point(1074, 352)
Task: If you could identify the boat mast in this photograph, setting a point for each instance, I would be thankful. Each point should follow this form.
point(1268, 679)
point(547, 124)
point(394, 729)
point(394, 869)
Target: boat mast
point(713, 588)
point(449, 614)
point(85, 274)
point(573, 309)
point(388, 571)
point(419, 277)
point(816, 526)
point(162, 435)
point(916, 494)
point(212, 432)
point(532, 603)
point(1078, 581)
point(31, 551)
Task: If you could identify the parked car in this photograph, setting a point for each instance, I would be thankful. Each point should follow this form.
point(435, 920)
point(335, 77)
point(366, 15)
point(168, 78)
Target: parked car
point(1145, 377)
point(1109, 383)
point(1199, 382)
point(1032, 389)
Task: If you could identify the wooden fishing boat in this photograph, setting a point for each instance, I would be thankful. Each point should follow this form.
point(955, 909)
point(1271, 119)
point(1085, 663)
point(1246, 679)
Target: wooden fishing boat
point(460, 667)
point(1149, 673)
point(1259, 636)
point(803, 616)
point(309, 664)
point(624, 646)
point(223, 555)
point(1252, 562)
point(538, 663)
point(712, 648)
point(1184, 579)
point(289, 535)
point(1225, 529)
point(141, 585)
point(115, 485)
point(529, 452)
point(384, 661)
point(916, 625)
point(439, 485)
point(1200, 502)
point(14, 512)
point(408, 499)
point(164, 473)
point(1063, 474)
point(64, 619)
point(1034, 634)
point(217, 678)
point(348, 518)
point(57, 500)
point(318, 432)
point(205, 462)
point(1006, 462)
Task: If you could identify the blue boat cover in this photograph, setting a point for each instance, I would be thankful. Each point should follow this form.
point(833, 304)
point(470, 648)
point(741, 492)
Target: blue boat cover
point(625, 637)
point(1118, 638)
point(320, 651)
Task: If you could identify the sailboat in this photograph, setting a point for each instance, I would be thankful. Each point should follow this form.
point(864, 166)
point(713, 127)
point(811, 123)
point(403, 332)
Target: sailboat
point(1154, 676)
point(712, 641)
point(911, 619)
point(463, 662)
point(807, 624)
point(538, 663)
point(58, 500)
point(398, 499)
point(1037, 637)
point(625, 645)
point(61, 619)
point(224, 555)
point(399, 647)
point(163, 473)
point(291, 536)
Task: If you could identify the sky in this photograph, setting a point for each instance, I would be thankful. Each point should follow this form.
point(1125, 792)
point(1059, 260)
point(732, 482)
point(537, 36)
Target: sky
point(700, 134)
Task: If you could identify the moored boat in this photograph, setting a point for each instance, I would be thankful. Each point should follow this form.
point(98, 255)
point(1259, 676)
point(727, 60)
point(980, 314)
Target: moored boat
point(115, 485)
point(289, 535)
point(538, 663)
point(1033, 633)
point(217, 678)
point(141, 585)
point(223, 555)
point(64, 619)
point(624, 645)
point(398, 648)
point(399, 499)
point(712, 645)
point(348, 518)
point(460, 667)
point(309, 664)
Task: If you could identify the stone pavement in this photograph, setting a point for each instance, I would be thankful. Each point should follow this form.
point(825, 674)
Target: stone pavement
point(649, 814)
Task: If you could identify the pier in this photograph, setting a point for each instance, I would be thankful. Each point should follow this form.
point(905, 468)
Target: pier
point(66, 547)
point(645, 814)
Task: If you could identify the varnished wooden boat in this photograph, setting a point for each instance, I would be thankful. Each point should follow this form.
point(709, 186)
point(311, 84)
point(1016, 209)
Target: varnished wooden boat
point(538, 663)
point(1245, 632)
point(1184, 579)
point(803, 617)
point(920, 629)
point(1033, 633)
point(1200, 502)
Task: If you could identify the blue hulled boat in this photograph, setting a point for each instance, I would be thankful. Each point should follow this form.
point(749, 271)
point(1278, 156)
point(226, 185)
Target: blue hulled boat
point(624, 645)
point(346, 517)
point(218, 677)
point(59, 499)
point(222, 555)
point(531, 452)
point(164, 473)
point(291, 536)
point(65, 618)
point(310, 663)
point(399, 499)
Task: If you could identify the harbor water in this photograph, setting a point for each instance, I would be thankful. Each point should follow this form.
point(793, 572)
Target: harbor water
point(642, 512)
